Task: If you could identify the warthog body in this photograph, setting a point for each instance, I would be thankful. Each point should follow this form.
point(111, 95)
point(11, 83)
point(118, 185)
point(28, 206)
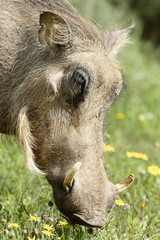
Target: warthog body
point(58, 77)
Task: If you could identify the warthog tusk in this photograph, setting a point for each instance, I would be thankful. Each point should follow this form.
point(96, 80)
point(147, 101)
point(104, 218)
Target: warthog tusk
point(68, 181)
point(125, 184)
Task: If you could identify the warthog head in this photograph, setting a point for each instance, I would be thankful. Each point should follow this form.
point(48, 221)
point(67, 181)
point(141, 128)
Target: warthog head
point(60, 126)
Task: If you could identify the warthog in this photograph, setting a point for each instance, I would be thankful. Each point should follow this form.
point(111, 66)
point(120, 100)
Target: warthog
point(58, 77)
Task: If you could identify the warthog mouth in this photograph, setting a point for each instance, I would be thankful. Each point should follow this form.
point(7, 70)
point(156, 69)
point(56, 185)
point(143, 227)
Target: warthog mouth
point(78, 218)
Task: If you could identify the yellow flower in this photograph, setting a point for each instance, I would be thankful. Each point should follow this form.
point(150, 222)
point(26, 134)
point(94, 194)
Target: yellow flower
point(154, 170)
point(137, 155)
point(48, 233)
point(34, 238)
point(47, 227)
point(33, 218)
point(65, 224)
point(62, 223)
point(14, 225)
point(143, 205)
point(121, 116)
point(119, 202)
point(108, 148)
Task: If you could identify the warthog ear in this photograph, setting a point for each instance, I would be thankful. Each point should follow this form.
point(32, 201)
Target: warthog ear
point(117, 39)
point(54, 31)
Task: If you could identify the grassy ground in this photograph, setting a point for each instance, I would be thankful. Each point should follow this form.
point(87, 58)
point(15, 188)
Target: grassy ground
point(22, 193)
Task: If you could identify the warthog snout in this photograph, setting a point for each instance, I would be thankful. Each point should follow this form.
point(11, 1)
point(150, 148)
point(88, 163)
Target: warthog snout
point(83, 207)
point(97, 221)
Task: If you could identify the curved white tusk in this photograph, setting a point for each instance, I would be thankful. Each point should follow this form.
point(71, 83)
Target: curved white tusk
point(125, 184)
point(68, 181)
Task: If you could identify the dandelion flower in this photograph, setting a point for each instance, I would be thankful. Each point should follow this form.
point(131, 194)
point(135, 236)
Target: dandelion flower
point(143, 205)
point(47, 227)
point(108, 148)
point(119, 202)
point(154, 170)
point(34, 218)
point(48, 233)
point(65, 224)
point(137, 155)
point(121, 116)
point(62, 223)
point(34, 238)
point(14, 225)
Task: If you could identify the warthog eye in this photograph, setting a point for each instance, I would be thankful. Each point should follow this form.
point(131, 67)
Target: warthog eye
point(75, 86)
point(80, 80)
point(78, 77)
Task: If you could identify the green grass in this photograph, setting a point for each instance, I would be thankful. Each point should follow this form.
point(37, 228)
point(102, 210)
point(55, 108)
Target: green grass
point(22, 193)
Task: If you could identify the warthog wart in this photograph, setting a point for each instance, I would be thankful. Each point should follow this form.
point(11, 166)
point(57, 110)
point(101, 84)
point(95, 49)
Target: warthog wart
point(58, 77)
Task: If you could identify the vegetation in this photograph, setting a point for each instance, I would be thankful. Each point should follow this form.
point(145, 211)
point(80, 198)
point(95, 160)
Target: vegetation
point(132, 125)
